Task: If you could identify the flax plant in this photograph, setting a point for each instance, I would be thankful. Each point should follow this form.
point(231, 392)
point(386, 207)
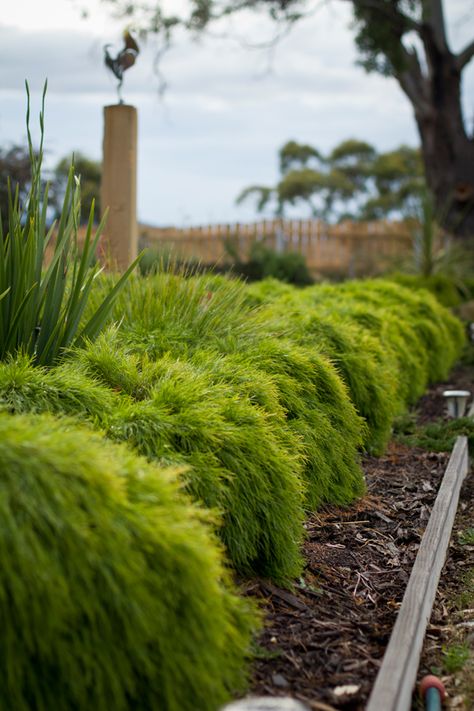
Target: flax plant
point(41, 307)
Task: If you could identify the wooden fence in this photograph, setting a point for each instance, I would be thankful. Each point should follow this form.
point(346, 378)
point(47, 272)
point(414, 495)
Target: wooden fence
point(349, 248)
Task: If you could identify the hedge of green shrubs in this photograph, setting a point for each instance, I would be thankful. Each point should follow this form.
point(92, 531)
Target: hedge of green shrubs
point(253, 402)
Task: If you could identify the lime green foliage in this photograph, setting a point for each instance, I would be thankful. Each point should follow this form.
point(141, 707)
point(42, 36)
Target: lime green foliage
point(169, 314)
point(243, 463)
point(113, 590)
point(386, 341)
point(320, 412)
point(184, 317)
point(261, 403)
point(414, 325)
point(358, 357)
point(41, 310)
point(63, 390)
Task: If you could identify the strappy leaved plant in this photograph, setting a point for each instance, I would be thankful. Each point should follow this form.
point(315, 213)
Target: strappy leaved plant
point(41, 306)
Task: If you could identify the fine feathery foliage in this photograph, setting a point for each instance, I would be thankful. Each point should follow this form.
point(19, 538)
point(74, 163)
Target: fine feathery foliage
point(62, 390)
point(239, 459)
point(113, 591)
point(169, 314)
point(41, 308)
point(358, 357)
point(424, 335)
point(386, 341)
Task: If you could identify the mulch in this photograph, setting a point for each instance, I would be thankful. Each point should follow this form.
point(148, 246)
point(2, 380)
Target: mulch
point(323, 640)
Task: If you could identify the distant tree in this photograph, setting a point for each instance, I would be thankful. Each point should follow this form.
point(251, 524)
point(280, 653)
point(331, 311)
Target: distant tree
point(405, 39)
point(352, 182)
point(90, 172)
point(14, 168)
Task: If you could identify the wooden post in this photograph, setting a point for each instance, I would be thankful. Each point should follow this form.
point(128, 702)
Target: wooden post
point(119, 184)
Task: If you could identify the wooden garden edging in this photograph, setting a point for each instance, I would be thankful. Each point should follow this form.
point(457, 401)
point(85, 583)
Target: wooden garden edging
point(393, 687)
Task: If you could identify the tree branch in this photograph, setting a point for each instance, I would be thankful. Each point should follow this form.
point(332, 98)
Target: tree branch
point(465, 56)
point(414, 84)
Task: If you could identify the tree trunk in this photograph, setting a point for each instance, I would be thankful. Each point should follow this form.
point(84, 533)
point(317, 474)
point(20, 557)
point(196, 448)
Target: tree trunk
point(448, 152)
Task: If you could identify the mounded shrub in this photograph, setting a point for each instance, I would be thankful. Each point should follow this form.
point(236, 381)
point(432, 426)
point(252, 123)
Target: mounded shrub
point(386, 342)
point(241, 461)
point(404, 377)
point(319, 411)
point(113, 593)
point(440, 334)
point(168, 313)
point(364, 366)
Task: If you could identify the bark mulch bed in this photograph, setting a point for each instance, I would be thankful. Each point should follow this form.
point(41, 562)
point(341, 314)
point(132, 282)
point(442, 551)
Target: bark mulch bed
point(323, 641)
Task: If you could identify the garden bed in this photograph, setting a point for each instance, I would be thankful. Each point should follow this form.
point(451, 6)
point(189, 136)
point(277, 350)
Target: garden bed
point(324, 641)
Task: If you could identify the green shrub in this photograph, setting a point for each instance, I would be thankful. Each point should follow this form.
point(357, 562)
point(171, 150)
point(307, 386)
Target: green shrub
point(319, 411)
point(169, 411)
point(242, 462)
point(364, 366)
point(441, 335)
point(414, 324)
point(264, 262)
point(183, 317)
point(112, 592)
point(169, 313)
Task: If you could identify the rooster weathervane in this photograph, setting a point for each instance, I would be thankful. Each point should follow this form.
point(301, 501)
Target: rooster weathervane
point(124, 60)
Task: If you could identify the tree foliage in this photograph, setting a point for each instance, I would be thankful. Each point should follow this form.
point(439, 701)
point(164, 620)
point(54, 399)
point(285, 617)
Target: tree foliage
point(352, 182)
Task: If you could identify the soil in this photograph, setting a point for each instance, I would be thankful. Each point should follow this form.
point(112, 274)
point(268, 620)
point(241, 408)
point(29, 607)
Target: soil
point(324, 639)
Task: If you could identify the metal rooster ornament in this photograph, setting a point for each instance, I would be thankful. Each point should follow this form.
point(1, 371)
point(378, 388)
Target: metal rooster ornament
point(123, 61)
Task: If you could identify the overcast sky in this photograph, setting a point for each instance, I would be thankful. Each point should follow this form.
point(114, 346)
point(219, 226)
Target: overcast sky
point(226, 111)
